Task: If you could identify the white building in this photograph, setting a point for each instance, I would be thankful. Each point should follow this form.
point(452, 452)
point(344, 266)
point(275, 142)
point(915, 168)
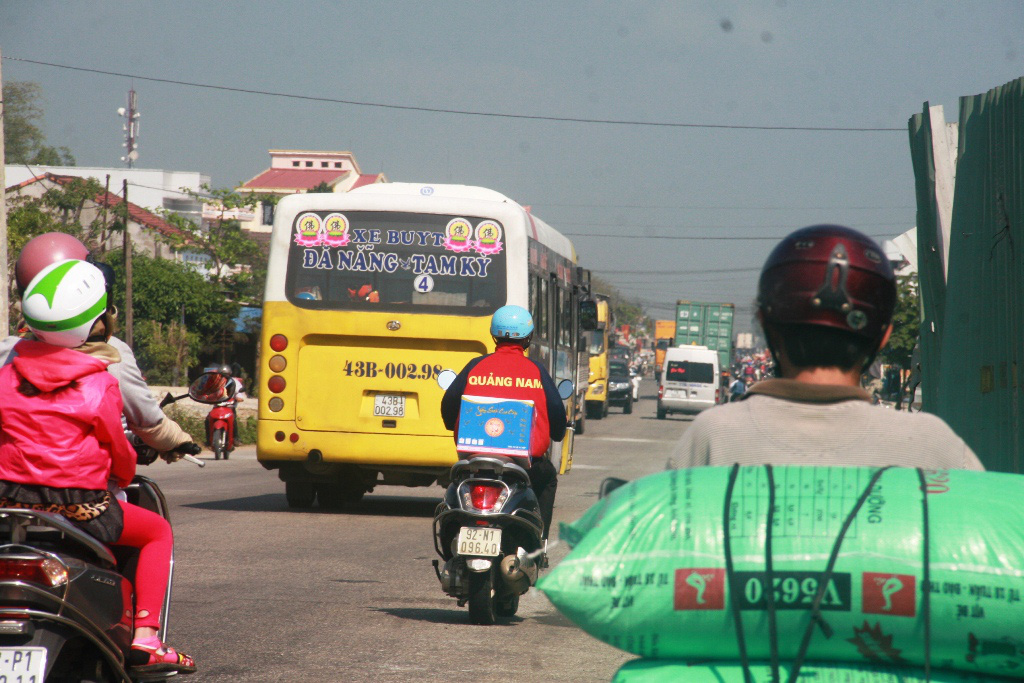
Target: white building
point(147, 187)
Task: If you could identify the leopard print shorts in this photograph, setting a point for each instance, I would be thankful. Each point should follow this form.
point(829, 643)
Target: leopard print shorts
point(78, 512)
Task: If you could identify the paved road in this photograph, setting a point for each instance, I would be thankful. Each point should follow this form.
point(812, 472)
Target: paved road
point(264, 593)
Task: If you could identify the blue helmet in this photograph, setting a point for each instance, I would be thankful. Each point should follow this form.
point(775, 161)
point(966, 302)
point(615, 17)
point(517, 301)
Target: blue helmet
point(511, 323)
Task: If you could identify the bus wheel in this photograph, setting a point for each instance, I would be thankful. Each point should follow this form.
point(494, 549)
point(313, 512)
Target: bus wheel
point(581, 422)
point(594, 410)
point(300, 494)
point(337, 496)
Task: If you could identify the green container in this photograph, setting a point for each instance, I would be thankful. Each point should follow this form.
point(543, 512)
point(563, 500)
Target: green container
point(706, 324)
point(648, 570)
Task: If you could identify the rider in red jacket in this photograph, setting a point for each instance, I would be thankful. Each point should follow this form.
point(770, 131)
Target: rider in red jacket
point(508, 373)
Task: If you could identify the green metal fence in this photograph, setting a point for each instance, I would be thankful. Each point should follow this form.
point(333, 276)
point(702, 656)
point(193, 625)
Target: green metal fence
point(972, 362)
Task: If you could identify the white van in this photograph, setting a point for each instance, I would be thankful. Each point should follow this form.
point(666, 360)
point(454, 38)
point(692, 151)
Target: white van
point(689, 380)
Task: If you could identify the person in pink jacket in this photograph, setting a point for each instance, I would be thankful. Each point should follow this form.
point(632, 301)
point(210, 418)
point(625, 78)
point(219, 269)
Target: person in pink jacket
point(61, 441)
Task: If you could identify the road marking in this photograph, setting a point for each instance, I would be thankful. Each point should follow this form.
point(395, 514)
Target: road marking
point(629, 440)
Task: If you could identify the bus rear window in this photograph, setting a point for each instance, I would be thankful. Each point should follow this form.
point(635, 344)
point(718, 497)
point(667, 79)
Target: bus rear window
point(361, 260)
point(688, 371)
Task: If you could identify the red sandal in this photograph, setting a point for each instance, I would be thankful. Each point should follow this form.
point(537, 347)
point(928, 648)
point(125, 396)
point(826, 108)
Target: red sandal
point(149, 655)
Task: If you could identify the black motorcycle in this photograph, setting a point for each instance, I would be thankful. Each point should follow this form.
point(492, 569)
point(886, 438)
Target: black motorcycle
point(66, 598)
point(488, 531)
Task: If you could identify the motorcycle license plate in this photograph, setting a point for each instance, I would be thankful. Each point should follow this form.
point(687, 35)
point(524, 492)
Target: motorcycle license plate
point(389, 405)
point(25, 664)
point(479, 541)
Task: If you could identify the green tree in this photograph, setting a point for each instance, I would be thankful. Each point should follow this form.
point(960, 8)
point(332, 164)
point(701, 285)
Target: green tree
point(626, 310)
point(239, 262)
point(906, 323)
point(321, 187)
point(24, 140)
point(167, 351)
point(171, 292)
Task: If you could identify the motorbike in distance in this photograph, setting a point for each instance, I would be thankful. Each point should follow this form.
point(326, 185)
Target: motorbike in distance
point(66, 598)
point(488, 531)
point(220, 428)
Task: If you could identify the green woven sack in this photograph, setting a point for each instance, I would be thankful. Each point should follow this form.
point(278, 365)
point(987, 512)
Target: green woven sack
point(652, 573)
point(661, 671)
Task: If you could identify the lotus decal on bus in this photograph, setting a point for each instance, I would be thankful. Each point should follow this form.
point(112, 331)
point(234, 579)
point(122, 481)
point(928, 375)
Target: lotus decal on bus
point(457, 235)
point(310, 230)
point(488, 238)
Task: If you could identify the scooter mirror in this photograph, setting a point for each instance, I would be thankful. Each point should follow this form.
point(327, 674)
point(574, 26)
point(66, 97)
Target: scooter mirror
point(445, 378)
point(565, 388)
point(212, 387)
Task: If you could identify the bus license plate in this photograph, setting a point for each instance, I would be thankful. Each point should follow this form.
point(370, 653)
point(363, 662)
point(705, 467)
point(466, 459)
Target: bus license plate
point(26, 664)
point(481, 541)
point(389, 405)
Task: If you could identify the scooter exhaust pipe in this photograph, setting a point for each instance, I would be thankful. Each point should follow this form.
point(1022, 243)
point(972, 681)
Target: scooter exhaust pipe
point(520, 571)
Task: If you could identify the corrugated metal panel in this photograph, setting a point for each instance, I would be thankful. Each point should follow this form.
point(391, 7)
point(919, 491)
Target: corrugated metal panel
point(978, 391)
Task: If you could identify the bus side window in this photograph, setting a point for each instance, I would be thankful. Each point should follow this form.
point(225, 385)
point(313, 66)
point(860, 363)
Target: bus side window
point(565, 317)
point(544, 306)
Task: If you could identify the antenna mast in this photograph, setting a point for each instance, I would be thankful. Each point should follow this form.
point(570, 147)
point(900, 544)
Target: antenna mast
point(131, 129)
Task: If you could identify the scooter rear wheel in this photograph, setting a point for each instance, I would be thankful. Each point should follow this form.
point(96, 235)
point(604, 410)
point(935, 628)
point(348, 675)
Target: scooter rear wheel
point(482, 601)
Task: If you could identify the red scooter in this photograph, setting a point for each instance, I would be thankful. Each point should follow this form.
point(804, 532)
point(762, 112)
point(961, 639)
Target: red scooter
point(220, 429)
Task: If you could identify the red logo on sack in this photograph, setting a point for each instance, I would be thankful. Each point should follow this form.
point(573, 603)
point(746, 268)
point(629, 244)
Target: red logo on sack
point(892, 594)
point(700, 589)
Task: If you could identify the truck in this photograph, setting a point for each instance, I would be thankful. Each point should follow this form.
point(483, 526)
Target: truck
point(598, 342)
point(664, 337)
point(706, 324)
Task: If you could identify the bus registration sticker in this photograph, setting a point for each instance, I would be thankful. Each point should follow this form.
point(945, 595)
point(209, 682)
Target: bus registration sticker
point(389, 405)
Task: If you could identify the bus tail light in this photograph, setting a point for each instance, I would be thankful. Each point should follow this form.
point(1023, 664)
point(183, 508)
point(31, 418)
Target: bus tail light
point(279, 342)
point(276, 384)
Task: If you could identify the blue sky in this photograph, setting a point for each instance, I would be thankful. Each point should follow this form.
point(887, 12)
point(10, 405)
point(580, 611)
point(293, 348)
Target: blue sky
point(779, 63)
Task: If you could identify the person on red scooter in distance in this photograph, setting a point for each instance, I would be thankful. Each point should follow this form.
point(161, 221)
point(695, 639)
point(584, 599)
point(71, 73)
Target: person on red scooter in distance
point(142, 412)
point(512, 330)
point(222, 376)
point(825, 300)
point(61, 441)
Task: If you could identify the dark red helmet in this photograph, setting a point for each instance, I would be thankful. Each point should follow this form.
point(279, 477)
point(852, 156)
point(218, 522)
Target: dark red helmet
point(43, 250)
point(828, 275)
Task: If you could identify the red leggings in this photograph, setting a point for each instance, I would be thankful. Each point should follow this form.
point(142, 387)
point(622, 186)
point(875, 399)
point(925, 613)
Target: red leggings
point(151, 534)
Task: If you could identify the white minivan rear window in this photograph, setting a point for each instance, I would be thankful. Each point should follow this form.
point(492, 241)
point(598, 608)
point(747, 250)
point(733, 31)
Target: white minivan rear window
point(689, 371)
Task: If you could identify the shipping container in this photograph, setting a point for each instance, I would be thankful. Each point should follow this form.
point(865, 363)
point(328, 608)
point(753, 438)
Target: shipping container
point(706, 324)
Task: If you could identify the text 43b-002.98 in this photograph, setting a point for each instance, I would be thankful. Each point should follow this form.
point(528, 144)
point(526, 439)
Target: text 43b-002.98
point(391, 370)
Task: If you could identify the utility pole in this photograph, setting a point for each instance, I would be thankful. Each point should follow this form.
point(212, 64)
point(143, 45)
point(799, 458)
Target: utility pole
point(5, 304)
point(129, 317)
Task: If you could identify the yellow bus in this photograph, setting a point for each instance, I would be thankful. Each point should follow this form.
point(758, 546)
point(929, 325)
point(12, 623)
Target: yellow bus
point(598, 342)
point(369, 295)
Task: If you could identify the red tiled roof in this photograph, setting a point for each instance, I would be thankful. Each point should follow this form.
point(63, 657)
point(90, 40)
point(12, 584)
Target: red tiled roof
point(136, 213)
point(365, 179)
point(295, 178)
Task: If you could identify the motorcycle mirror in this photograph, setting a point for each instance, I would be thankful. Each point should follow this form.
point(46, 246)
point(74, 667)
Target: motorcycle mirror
point(445, 378)
point(565, 389)
point(212, 388)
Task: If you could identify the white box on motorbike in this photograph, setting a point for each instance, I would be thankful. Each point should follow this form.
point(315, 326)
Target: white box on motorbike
point(495, 426)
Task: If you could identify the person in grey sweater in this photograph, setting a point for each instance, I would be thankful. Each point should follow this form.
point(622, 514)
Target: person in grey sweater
point(825, 300)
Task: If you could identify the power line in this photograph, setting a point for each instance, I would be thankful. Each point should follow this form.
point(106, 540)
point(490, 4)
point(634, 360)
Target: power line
point(729, 226)
point(458, 112)
point(738, 208)
point(721, 238)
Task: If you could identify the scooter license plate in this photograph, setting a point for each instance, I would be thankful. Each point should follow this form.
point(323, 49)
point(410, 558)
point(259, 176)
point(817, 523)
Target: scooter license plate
point(479, 541)
point(25, 664)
